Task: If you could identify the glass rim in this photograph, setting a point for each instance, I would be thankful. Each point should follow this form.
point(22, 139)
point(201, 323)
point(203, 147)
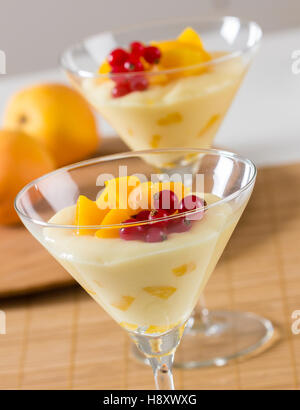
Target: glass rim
point(236, 53)
point(130, 154)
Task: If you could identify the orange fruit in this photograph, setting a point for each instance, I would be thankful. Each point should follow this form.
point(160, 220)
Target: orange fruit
point(58, 116)
point(22, 159)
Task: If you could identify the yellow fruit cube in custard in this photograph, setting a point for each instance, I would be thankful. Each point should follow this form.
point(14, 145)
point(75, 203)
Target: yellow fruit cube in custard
point(162, 292)
point(87, 213)
point(105, 68)
point(113, 217)
point(117, 191)
point(190, 36)
point(124, 303)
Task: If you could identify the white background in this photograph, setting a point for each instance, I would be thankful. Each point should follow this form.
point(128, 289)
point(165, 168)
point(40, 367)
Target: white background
point(34, 32)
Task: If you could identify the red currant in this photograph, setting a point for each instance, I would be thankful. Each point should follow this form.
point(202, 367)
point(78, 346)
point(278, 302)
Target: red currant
point(121, 88)
point(133, 64)
point(156, 234)
point(118, 69)
point(191, 202)
point(133, 233)
point(158, 214)
point(179, 225)
point(137, 49)
point(139, 83)
point(117, 57)
point(152, 55)
point(166, 200)
point(143, 215)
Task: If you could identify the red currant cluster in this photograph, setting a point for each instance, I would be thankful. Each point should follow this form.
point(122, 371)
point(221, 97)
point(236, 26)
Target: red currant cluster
point(158, 231)
point(122, 61)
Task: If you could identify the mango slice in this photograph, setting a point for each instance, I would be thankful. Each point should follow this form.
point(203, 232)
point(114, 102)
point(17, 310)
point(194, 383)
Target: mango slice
point(172, 118)
point(117, 191)
point(184, 269)
point(142, 196)
point(162, 292)
point(113, 217)
point(191, 37)
point(209, 124)
point(155, 140)
point(124, 303)
point(129, 326)
point(87, 213)
point(187, 50)
point(105, 68)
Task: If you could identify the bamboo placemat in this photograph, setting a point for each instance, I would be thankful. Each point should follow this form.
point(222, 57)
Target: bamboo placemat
point(63, 340)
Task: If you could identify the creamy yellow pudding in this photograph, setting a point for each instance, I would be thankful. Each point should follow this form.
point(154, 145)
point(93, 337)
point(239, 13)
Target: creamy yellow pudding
point(185, 112)
point(150, 286)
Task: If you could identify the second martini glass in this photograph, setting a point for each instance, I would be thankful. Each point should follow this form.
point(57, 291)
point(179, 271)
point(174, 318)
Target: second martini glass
point(148, 286)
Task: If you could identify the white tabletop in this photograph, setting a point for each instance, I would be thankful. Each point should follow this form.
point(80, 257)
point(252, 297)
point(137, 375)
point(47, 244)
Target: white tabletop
point(264, 120)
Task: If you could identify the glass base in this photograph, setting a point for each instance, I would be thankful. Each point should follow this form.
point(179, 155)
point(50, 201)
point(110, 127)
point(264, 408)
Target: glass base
point(221, 337)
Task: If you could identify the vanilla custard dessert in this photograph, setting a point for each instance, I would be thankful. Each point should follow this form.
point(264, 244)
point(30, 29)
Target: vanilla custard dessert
point(147, 277)
point(167, 94)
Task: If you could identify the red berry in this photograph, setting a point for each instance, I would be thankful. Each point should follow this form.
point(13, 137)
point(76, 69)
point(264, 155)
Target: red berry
point(117, 57)
point(142, 216)
point(118, 69)
point(157, 214)
point(191, 202)
point(179, 225)
point(133, 64)
point(166, 200)
point(121, 88)
point(156, 234)
point(152, 55)
point(137, 49)
point(139, 83)
point(133, 233)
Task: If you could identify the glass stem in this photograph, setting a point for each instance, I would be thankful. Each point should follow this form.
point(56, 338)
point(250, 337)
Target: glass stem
point(162, 370)
point(201, 312)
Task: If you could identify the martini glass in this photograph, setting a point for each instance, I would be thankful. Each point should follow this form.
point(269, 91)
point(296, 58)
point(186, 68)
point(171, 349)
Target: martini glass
point(182, 107)
point(150, 289)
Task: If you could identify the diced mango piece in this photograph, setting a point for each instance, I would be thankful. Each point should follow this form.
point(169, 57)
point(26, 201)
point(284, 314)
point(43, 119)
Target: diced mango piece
point(162, 292)
point(113, 217)
point(90, 292)
point(184, 269)
point(187, 50)
point(209, 124)
point(88, 213)
point(184, 56)
point(191, 37)
point(129, 326)
point(124, 303)
point(141, 196)
point(155, 140)
point(158, 329)
point(117, 191)
point(105, 68)
point(172, 118)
